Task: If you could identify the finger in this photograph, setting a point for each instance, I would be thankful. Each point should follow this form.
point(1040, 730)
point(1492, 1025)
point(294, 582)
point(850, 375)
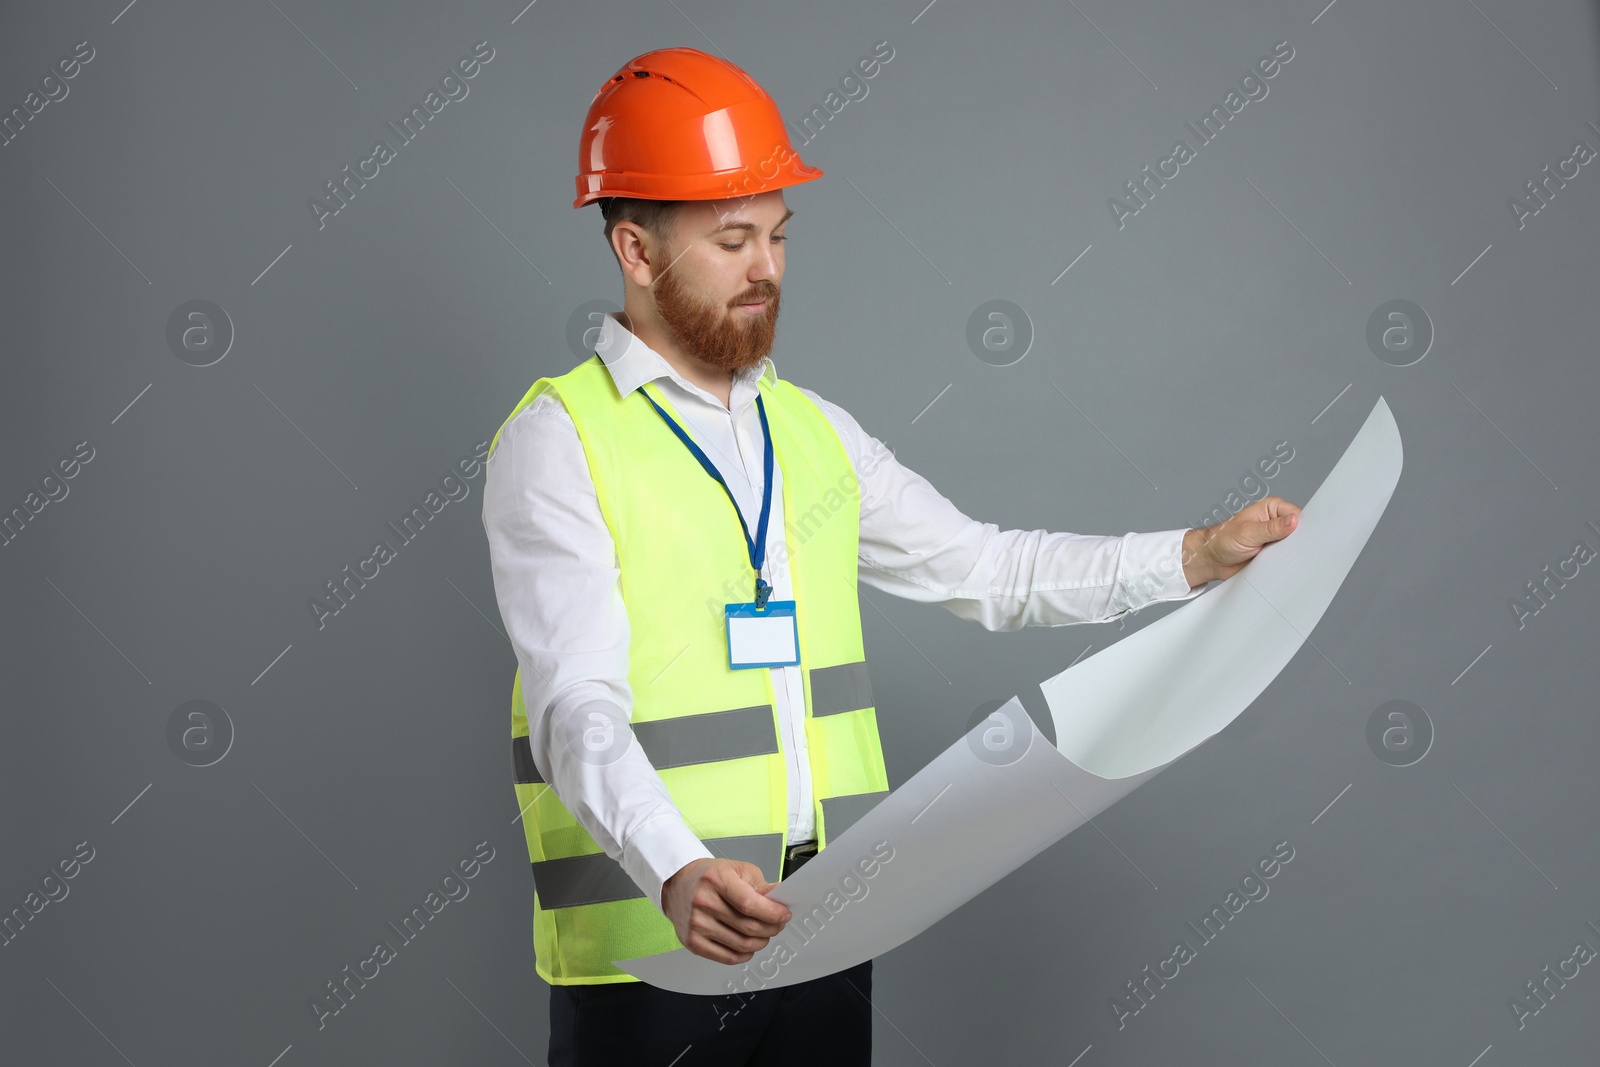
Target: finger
point(732, 916)
point(715, 952)
point(1262, 510)
point(724, 890)
point(715, 931)
point(740, 892)
point(1270, 523)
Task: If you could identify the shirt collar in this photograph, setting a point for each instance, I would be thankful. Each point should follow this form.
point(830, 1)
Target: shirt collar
point(632, 362)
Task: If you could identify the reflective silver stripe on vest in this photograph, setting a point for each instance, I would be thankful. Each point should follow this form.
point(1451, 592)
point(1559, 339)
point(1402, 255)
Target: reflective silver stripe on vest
point(841, 813)
point(682, 740)
point(597, 878)
point(708, 737)
point(842, 688)
point(523, 770)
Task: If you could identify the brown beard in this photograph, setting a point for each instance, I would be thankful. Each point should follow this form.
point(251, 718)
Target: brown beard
point(705, 330)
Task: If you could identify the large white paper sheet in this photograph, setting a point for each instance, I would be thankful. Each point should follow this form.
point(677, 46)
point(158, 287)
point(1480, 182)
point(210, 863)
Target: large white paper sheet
point(1002, 794)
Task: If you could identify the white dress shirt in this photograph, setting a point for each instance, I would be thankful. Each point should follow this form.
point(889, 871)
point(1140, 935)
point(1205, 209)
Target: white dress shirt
point(556, 579)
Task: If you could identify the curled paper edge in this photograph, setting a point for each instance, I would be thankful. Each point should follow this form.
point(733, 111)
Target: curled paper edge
point(981, 809)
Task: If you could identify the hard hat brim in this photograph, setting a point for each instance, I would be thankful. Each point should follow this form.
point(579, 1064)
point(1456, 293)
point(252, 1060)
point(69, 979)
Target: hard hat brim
point(719, 185)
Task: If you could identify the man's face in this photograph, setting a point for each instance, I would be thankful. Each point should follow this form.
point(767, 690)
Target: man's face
point(719, 292)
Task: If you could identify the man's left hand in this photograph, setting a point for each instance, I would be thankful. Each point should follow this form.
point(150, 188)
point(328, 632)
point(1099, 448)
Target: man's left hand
point(1221, 551)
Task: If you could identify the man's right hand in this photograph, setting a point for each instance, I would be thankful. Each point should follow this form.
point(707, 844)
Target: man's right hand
point(720, 910)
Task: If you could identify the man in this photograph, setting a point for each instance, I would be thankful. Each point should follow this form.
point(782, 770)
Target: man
point(676, 535)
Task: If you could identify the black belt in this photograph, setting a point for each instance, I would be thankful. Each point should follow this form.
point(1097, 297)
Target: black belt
point(795, 856)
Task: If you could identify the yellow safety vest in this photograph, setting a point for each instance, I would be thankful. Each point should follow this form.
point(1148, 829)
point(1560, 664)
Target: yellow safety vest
point(710, 731)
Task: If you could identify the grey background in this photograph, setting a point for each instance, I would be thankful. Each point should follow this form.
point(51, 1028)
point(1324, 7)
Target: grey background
point(1228, 315)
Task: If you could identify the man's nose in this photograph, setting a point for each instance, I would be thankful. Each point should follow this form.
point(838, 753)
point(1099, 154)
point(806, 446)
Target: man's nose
point(765, 266)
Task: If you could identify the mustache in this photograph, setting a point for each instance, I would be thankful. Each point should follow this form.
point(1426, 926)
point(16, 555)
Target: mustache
point(766, 291)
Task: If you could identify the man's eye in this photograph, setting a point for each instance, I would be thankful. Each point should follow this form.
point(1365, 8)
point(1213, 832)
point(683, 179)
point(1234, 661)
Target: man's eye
point(735, 248)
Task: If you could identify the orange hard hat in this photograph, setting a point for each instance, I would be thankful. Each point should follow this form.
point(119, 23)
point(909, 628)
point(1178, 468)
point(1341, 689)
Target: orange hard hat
point(679, 124)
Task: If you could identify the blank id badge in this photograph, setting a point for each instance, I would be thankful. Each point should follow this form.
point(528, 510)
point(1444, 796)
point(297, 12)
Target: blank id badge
point(762, 638)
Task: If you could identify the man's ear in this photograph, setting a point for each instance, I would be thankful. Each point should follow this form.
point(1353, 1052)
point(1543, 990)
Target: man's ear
point(636, 251)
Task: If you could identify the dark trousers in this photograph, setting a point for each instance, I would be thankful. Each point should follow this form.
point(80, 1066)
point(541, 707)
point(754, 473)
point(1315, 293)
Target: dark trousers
point(827, 1020)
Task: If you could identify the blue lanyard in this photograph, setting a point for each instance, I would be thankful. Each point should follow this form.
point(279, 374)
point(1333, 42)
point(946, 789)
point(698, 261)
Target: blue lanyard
point(758, 544)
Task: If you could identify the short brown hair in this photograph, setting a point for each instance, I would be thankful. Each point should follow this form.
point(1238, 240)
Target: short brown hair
point(657, 216)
